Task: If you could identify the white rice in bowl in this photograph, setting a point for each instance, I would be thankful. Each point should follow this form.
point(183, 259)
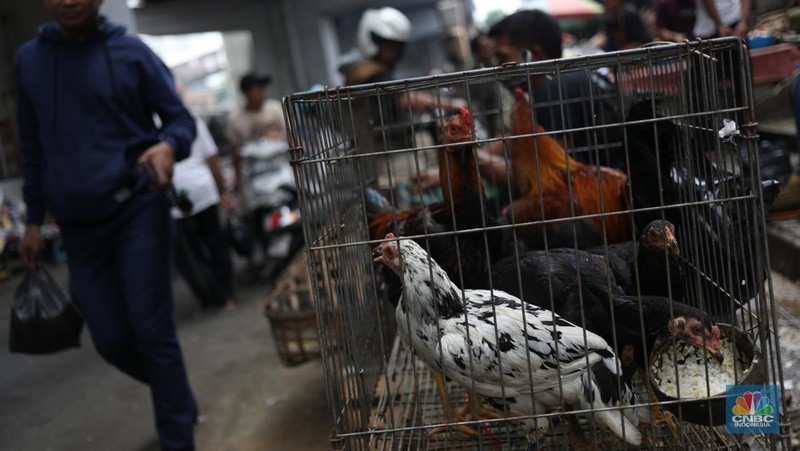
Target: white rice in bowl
point(691, 375)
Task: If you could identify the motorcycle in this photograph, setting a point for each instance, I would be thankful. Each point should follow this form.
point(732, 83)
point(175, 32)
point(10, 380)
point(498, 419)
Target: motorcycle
point(270, 195)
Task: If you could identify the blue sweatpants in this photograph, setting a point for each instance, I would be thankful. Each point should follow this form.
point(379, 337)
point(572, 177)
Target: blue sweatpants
point(120, 272)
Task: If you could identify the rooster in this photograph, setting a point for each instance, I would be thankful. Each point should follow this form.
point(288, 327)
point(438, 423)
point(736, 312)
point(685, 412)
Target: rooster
point(463, 208)
point(489, 341)
point(549, 184)
point(657, 141)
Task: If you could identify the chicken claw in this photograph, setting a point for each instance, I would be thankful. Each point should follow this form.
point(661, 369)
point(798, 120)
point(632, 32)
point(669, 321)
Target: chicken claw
point(658, 415)
point(464, 414)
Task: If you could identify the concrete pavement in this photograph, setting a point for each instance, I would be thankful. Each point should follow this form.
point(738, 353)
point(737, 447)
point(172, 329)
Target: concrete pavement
point(74, 401)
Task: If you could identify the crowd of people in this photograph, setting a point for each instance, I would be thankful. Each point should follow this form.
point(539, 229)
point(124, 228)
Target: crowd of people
point(87, 135)
point(628, 25)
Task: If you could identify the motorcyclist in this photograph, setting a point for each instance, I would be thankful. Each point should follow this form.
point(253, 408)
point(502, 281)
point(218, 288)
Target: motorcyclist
point(382, 37)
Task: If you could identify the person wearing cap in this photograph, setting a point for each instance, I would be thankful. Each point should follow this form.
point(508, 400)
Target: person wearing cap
point(260, 117)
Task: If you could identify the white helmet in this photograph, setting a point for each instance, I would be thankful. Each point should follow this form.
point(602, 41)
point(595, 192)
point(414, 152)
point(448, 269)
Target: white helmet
point(387, 23)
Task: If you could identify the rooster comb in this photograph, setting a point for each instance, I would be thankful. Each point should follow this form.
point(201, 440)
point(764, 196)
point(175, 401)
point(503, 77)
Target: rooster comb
point(466, 115)
point(519, 93)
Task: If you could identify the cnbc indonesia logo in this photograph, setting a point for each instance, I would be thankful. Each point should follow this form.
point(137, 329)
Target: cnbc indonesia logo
point(753, 409)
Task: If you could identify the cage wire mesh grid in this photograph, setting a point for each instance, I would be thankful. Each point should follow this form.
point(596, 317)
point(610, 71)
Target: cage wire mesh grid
point(656, 113)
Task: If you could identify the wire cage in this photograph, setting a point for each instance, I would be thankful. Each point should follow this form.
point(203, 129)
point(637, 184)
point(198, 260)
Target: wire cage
point(676, 121)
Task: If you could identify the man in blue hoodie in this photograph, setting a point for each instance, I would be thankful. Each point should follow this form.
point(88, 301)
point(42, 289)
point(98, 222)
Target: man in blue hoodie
point(87, 94)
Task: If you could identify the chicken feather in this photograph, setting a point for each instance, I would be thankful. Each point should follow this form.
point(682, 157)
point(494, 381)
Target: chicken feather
point(543, 174)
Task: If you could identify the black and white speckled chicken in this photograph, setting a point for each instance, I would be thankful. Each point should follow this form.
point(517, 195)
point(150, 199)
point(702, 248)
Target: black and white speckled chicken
point(496, 346)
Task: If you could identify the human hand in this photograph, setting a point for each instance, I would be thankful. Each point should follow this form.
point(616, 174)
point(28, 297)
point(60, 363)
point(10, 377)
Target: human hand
point(724, 30)
point(456, 104)
point(741, 29)
point(424, 181)
point(275, 132)
point(161, 158)
point(30, 248)
point(227, 202)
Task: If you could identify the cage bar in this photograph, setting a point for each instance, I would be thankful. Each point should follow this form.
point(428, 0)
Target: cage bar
point(654, 112)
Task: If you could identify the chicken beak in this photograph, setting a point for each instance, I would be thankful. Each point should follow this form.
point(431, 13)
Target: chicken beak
point(457, 144)
point(673, 247)
point(717, 354)
point(672, 243)
point(376, 255)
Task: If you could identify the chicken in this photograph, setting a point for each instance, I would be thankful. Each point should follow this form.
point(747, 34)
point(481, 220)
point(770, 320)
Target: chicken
point(580, 287)
point(463, 208)
point(549, 184)
point(687, 324)
point(657, 142)
point(653, 260)
point(464, 256)
point(724, 232)
point(664, 172)
point(490, 342)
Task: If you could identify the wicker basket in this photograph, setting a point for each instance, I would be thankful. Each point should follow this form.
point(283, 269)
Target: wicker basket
point(290, 311)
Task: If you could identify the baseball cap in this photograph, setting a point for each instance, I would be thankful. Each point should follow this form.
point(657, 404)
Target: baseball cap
point(250, 80)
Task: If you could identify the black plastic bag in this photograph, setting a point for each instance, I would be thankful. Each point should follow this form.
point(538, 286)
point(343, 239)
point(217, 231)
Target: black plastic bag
point(239, 234)
point(43, 318)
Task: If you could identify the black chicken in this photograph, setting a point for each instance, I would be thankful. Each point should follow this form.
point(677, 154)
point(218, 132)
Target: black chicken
point(724, 233)
point(580, 287)
point(717, 236)
point(650, 259)
point(657, 142)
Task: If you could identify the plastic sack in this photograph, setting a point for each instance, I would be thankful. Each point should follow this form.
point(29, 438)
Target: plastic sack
point(239, 234)
point(43, 318)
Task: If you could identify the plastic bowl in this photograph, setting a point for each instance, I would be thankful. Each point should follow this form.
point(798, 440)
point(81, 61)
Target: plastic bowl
point(709, 411)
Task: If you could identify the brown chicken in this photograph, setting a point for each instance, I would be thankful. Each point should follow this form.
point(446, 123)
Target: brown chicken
point(463, 208)
point(550, 185)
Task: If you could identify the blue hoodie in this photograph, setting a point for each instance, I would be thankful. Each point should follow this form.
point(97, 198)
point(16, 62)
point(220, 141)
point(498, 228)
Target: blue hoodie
point(85, 114)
